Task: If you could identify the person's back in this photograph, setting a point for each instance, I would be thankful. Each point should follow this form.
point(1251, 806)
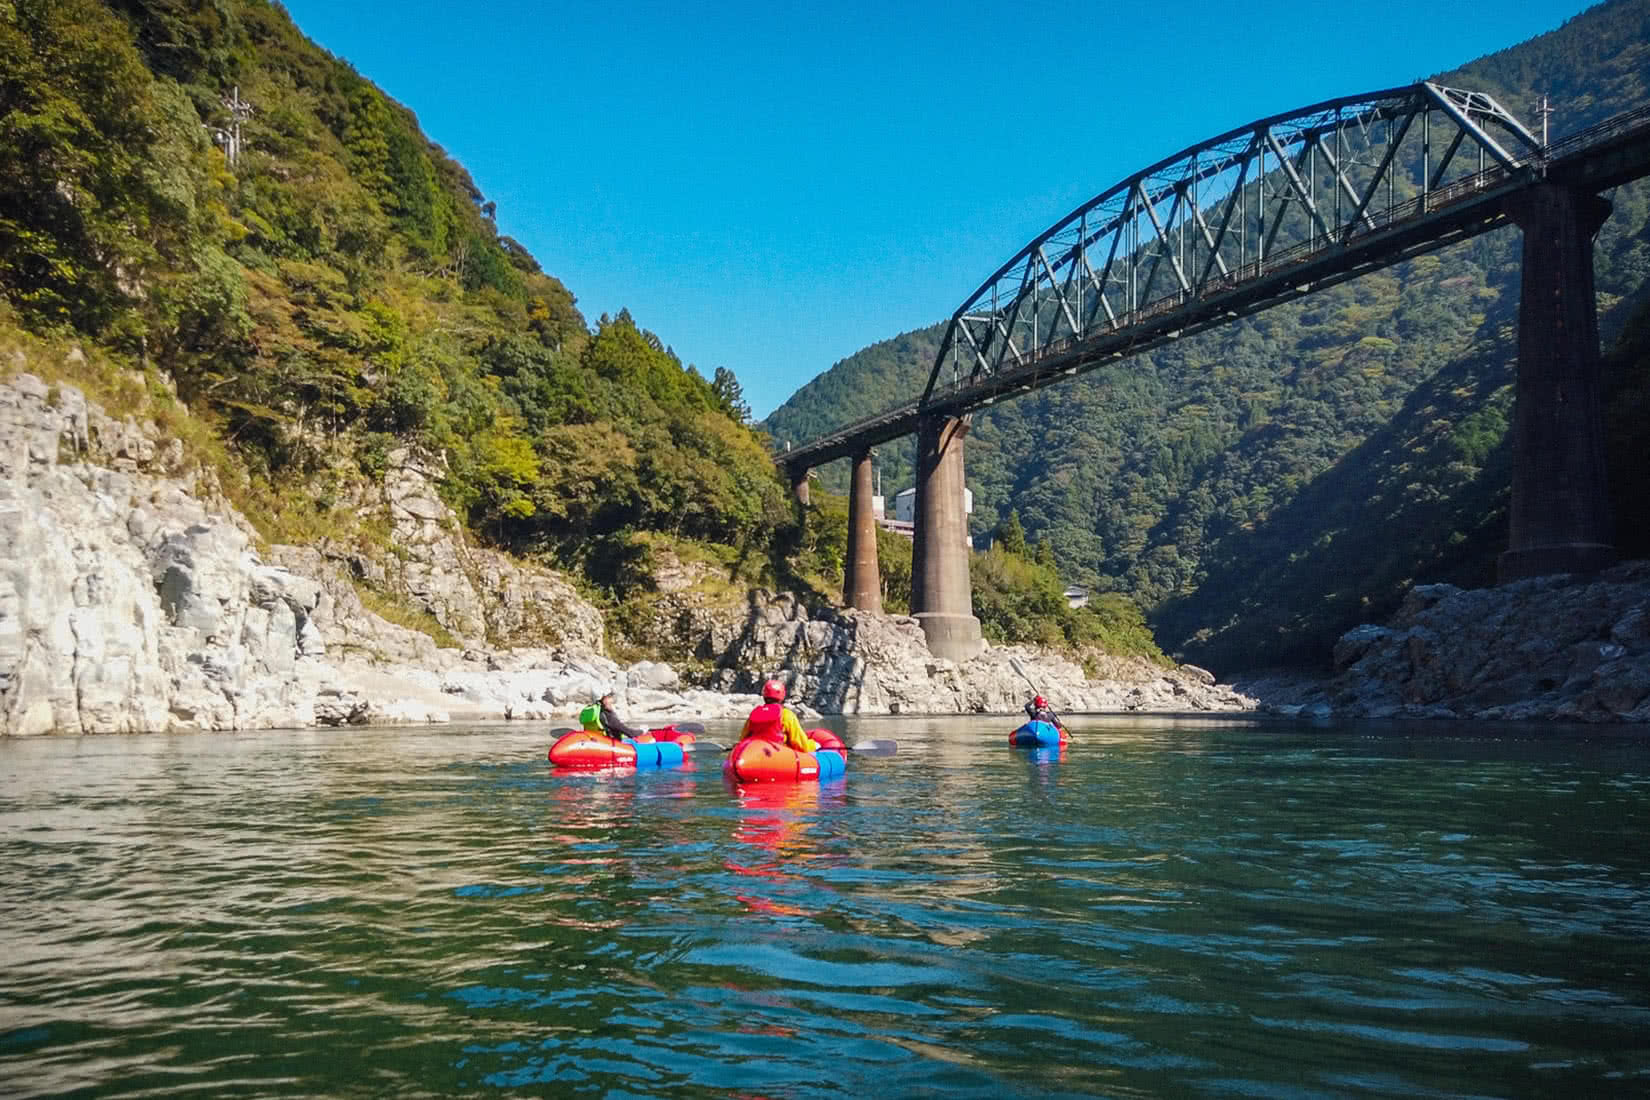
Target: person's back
point(1038, 710)
point(774, 721)
point(600, 717)
point(767, 722)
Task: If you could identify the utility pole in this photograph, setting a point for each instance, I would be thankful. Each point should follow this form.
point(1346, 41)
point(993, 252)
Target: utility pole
point(1544, 111)
point(230, 138)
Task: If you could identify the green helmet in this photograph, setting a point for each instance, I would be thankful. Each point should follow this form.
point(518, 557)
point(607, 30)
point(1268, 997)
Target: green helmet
point(591, 718)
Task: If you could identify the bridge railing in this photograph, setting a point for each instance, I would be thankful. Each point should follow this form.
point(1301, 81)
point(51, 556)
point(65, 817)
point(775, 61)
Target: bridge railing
point(1211, 215)
point(1598, 133)
point(1282, 259)
point(1274, 263)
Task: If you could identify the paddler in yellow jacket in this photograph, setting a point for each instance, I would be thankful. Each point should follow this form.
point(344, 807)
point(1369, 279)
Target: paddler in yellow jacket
point(774, 721)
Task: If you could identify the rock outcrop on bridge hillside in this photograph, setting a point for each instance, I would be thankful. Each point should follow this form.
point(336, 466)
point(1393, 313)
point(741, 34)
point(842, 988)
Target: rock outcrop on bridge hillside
point(1559, 648)
point(845, 661)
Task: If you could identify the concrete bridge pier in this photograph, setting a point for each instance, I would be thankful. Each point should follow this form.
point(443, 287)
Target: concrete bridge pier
point(941, 598)
point(1560, 519)
point(862, 582)
point(799, 486)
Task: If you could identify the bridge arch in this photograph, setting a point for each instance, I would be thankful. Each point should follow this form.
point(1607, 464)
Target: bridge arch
point(1257, 215)
point(1264, 214)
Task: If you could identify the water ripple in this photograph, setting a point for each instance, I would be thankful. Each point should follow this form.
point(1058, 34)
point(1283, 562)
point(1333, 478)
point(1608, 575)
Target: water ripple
point(1162, 910)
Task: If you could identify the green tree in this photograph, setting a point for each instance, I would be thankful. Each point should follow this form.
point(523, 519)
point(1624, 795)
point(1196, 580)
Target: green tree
point(1011, 536)
point(730, 395)
point(77, 126)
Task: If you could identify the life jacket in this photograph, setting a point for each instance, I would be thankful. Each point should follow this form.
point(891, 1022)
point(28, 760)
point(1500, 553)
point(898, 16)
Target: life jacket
point(591, 718)
point(768, 722)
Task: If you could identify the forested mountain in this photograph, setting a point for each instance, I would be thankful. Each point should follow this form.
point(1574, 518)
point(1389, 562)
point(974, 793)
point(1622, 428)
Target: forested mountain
point(323, 284)
point(1261, 487)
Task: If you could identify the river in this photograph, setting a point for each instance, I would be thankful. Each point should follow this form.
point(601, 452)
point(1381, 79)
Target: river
point(1226, 907)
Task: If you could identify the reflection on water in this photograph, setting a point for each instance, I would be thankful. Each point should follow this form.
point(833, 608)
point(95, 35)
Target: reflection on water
point(1163, 907)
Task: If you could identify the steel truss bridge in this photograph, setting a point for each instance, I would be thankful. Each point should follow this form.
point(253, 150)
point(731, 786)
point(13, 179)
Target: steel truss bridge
point(1258, 216)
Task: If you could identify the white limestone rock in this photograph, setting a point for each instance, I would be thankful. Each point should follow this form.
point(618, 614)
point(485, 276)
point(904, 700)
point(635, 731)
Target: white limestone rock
point(1561, 647)
point(854, 662)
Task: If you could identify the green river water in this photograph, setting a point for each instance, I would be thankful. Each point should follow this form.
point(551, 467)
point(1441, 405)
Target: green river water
point(1173, 908)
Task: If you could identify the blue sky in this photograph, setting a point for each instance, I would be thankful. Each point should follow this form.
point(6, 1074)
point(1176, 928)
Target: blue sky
point(771, 187)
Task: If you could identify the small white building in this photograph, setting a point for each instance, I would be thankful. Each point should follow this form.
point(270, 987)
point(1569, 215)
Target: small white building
point(1076, 596)
point(905, 513)
point(905, 504)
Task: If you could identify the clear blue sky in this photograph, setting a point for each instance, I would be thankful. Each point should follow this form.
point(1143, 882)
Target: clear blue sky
point(771, 187)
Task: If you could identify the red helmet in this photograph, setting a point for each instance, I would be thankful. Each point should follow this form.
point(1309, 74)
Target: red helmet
point(1039, 702)
point(773, 691)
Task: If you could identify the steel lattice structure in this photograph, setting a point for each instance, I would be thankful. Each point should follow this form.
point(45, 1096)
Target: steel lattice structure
point(1260, 215)
point(1197, 226)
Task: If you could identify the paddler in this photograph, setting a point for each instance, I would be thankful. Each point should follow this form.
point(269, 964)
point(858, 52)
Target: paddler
point(599, 717)
point(774, 721)
point(1038, 710)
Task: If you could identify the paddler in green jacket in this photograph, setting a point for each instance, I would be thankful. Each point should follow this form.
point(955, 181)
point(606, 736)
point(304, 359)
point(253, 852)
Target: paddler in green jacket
point(601, 718)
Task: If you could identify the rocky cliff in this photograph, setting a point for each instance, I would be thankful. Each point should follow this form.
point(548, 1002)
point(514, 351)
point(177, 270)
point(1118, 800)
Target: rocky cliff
point(1558, 648)
point(134, 597)
point(845, 661)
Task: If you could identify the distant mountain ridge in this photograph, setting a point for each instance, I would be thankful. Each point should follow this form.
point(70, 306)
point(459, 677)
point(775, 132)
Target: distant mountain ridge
point(1262, 487)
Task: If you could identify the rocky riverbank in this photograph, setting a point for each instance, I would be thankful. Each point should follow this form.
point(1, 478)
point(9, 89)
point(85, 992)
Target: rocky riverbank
point(845, 661)
point(134, 597)
point(1559, 648)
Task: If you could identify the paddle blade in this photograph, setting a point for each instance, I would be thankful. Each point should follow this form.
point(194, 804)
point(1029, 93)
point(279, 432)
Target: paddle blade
point(875, 748)
point(695, 728)
point(1021, 669)
point(705, 746)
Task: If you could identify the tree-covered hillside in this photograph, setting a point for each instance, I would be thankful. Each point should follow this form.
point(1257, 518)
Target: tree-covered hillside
point(337, 288)
point(1262, 487)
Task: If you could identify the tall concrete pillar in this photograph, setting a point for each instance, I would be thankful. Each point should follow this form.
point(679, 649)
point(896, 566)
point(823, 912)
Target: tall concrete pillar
point(862, 583)
point(799, 486)
point(1560, 504)
point(940, 595)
